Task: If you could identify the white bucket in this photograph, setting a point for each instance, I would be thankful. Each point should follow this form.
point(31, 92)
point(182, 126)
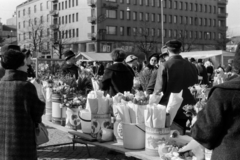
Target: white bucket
point(85, 118)
point(133, 136)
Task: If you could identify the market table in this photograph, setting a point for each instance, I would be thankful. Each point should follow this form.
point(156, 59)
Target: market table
point(118, 147)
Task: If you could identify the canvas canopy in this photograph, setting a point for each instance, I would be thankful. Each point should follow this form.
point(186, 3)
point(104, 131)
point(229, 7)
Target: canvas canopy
point(206, 54)
point(94, 56)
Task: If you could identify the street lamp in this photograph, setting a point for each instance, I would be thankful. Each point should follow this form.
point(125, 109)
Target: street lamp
point(162, 22)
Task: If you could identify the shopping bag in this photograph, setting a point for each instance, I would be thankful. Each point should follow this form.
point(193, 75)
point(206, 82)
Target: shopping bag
point(41, 134)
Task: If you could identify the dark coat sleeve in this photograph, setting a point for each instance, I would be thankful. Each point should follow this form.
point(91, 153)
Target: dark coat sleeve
point(34, 106)
point(106, 80)
point(160, 79)
point(152, 82)
point(209, 127)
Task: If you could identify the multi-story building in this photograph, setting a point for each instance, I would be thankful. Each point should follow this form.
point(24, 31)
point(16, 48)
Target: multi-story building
point(33, 26)
point(102, 25)
point(109, 24)
point(12, 21)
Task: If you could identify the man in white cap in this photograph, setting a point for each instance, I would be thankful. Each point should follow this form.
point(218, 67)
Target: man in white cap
point(131, 61)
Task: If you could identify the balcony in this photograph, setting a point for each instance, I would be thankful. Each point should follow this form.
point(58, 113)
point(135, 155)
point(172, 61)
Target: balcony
point(54, 13)
point(223, 28)
point(54, 26)
point(224, 2)
point(92, 36)
point(92, 3)
point(54, 1)
point(92, 19)
point(223, 15)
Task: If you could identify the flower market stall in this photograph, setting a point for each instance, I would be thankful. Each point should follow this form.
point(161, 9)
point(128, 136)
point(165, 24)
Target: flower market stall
point(129, 123)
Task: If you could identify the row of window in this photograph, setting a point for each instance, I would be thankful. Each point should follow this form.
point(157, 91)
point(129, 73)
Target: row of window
point(167, 33)
point(67, 4)
point(71, 33)
point(166, 18)
point(172, 4)
point(71, 18)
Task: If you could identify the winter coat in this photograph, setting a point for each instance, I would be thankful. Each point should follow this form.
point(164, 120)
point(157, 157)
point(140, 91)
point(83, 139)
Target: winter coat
point(71, 69)
point(174, 75)
point(30, 72)
point(20, 112)
point(145, 76)
point(217, 126)
point(202, 71)
point(117, 78)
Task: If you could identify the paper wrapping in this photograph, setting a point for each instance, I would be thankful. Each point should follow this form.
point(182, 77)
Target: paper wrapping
point(155, 98)
point(148, 117)
point(95, 85)
point(159, 116)
point(103, 105)
point(174, 103)
point(132, 112)
point(92, 103)
point(139, 110)
point(41, 94)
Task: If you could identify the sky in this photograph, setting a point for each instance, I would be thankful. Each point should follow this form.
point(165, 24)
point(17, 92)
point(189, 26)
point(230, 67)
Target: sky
point(8, 7)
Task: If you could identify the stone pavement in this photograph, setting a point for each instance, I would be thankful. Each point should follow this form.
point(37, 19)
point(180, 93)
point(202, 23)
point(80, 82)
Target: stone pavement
point(66, 152)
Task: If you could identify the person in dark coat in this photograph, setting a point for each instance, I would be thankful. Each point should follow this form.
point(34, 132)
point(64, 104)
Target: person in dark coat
point(100, 70)
point(163, 57)
point(202, 72)
point(117, 78)
point(229, 67)
point(69, 67)
point(217, 126)
point(4, 49)
point(20, 110)
point(28, 55)
point(174, 75)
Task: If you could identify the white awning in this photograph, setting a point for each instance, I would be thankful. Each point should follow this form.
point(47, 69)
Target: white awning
point(205, 54)
point(94, 56)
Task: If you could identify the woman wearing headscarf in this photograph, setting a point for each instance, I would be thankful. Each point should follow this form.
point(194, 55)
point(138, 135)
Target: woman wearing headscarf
point(20, 109)
point(146, 73)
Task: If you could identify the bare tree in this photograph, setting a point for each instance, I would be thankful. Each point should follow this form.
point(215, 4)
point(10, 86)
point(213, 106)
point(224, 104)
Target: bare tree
point(145, 39)
point(186, 40)
point(36, 35)
point(221, 42)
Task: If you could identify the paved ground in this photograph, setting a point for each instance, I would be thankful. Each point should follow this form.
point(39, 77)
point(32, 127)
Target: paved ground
point(66, 152)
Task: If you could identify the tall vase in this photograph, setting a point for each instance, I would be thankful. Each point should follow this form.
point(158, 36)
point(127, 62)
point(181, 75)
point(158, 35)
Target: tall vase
point(58, 112)
point(72, 119)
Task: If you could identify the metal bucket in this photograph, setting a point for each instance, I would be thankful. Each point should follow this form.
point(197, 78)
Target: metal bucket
point(153, 137)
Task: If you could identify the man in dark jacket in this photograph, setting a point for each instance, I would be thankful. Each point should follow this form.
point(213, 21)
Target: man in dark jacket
point(117, 78)
point(69, 67)
point(202, 72)
point(174, 75)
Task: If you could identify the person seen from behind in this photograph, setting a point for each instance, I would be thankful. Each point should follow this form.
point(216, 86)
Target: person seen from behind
point(117, 78)
point(202, 72)
point(174, 76)
point(20, 109)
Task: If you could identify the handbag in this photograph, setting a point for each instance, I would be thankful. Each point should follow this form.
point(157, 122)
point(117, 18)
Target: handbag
point(41, 134)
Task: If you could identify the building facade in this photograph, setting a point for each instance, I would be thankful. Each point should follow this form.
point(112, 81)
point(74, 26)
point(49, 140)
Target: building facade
point(12, 21)
point(102, 25)
point(33, 26)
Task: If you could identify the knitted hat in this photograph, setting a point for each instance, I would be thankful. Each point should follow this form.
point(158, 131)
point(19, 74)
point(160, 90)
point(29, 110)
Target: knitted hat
point(68, 54)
